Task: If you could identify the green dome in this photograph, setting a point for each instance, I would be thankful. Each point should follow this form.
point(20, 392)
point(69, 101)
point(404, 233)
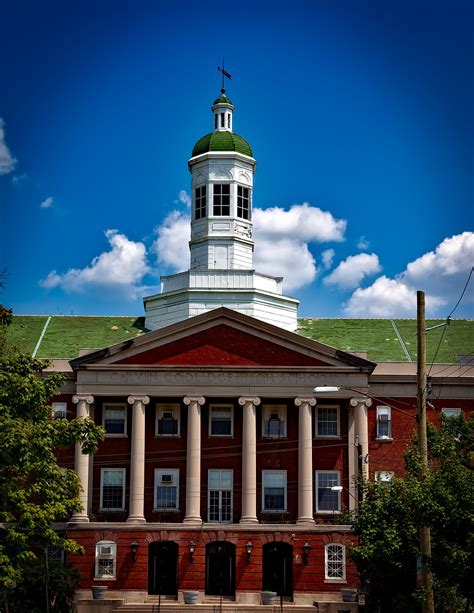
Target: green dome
point(222, 141)
point(221, 100)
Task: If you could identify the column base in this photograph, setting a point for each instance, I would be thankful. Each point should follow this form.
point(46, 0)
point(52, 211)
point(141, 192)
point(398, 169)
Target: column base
point(248, 520)
point(136, 519)
point(79, 519)
point(305, 520)
point(192, 519)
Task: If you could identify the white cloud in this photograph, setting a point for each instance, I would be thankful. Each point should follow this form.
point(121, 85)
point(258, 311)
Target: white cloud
point(47, 203)
point(171, 244)
point(7, 161)
point(119, 270)
point(19, 179)
point(327, 257)
point(185, 198)
point(441, 274)
point(363, 243)
point(350, 272)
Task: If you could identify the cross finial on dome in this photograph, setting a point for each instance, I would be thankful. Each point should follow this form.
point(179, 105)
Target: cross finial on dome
point(224, 74)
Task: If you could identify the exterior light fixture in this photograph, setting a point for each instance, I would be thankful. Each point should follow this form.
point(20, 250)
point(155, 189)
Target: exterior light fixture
point(134, 549)
point(192, 549)
point(336, 488)
point(306, 550)
point(248, 549)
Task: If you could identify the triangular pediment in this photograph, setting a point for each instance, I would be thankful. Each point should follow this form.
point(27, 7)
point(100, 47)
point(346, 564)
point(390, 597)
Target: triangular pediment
point(221, 338)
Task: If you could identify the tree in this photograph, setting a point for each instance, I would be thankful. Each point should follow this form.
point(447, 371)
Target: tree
point(34, 490)
point(389, 519)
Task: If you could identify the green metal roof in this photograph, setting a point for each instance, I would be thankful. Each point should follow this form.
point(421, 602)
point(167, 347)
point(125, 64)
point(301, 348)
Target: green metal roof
point(222, 141)
point(221, 100)
point(65, 335)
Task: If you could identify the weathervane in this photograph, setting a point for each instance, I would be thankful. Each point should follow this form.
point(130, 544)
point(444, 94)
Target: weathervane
point(224, 74)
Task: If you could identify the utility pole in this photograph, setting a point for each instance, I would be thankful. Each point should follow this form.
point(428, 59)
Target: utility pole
point(425, 532)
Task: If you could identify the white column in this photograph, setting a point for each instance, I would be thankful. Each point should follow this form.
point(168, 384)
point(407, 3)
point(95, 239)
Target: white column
point(352, 459)
point(81, 464)
point(249, 460)
point(137, 460)
point(193, 460)
point(362, 430)
point(305, 461)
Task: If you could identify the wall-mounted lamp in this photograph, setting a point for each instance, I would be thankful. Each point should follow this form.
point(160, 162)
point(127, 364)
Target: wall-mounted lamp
point(192, 549)
point(134, 549)
point(248, 549)
point(306, 550)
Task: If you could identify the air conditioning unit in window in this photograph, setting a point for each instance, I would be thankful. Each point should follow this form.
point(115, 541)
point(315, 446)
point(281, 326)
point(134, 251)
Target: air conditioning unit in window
point(106, 550)
point(166, 478)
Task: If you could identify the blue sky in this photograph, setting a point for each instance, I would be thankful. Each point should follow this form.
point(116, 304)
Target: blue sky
point(360, 115)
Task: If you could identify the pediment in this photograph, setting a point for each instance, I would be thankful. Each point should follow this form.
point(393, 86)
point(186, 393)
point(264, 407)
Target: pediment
point(222, 338)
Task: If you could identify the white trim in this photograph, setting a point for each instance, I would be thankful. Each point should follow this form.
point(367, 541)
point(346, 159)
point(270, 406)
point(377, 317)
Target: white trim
point(384, 410)
point(344, 561)
point(123, 471)
point(284, 473)
point(451, 411)
point(100, 556)
point(220, 489)
point(59, 407)
point(222, 406)
point(316, 489)
point(160, 409)
point(338, 425)
point(174, 472)
point(114, 406)
point(281, 409)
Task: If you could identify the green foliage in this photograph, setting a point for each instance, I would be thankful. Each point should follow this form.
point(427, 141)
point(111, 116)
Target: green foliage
point(34, 490)
point(389, 520)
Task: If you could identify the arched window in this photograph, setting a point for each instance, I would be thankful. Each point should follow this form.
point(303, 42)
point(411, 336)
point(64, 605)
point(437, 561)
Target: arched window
point(105, 560)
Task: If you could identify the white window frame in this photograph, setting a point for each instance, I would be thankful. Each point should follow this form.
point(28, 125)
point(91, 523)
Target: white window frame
point(333, 579)
point(220, 489)
point(384, 476)
point(176, 410)
point(383, 410)
point(101, 556)
point(284, 473)
point(222, 406)
point(59, 410)
point(338, 424)
point(451, 411)
point(159, 472)
point(102, 471)
point(337, 510)
point(114, 406)
point(267, 410)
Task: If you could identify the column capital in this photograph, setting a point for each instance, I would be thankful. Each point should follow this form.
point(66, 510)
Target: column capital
point(142, 399)
point(243, 400)
point(301, 401)
point(356, 401)
point(83, 397)
point(200, 400)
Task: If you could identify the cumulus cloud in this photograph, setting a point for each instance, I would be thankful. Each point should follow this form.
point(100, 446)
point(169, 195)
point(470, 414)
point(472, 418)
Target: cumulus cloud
point(350, 272)
point(47, 203)
point(327, 257)
point(363, 243)
point(185, 198)
point(19, 179)
point(119, 270)
point(171, 244)
point(441, 274)
point(7, 161)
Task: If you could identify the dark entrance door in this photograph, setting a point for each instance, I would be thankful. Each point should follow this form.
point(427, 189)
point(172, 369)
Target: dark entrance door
point(163, 568)
point(277, 572)
point(220, 568)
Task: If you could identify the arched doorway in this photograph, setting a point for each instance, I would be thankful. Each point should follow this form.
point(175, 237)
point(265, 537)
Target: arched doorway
point(220, 568)
point(277, 571)
point(163, 568)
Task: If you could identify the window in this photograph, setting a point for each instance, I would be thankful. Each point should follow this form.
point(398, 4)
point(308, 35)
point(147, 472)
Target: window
point(327, 499)
point(167, 420)
point(59, 410)
point(384, 476)
point(221, 202)
point(222, 120)
point(228, 120)
point(105, 559)
point(273, 421)
point(114, 419)
point(335, 562)
point(445, 412)
point(274, 490)
point(243, 202)
point(384, 422)
point(167, 489)
point(215, 122)
point(112, 489)
point(55, 554)
point(220, 420)
point(220, 495)
point(200, 202)
point(327, 421)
